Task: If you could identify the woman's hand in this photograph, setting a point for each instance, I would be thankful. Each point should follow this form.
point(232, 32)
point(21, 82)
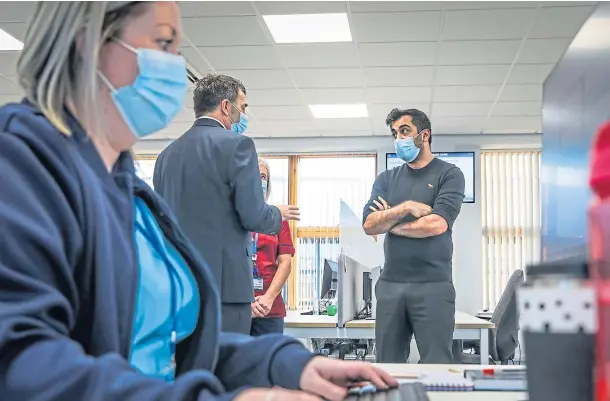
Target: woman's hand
point(265, 302)
point(331, 378)
point(275, 394)
point(257, 310)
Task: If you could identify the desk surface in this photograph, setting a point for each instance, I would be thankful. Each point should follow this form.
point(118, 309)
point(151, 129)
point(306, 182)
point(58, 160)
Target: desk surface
point(295, 319)
point(395, 368)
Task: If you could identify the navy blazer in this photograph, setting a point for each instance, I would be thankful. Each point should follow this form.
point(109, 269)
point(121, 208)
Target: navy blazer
point(210, 179)
point(68, 278)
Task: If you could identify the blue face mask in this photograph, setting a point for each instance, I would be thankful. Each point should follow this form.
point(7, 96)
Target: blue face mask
point(156, 96)
point(264, 182)
point(406, 149)
point(242, 125)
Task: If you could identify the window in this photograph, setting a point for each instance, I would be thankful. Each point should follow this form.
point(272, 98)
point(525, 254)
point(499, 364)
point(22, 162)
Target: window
point(145, 168)
point(321, 182)
point(510, 186)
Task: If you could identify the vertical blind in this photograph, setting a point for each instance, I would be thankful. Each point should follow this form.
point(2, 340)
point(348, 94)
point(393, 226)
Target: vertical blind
point(510, 186)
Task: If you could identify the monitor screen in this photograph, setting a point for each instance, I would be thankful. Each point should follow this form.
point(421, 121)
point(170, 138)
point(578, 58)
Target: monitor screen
point(463, 160)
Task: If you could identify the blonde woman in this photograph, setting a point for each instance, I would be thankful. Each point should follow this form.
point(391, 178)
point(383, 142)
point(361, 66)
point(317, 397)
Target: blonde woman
point(273, 264)
point(102, 296)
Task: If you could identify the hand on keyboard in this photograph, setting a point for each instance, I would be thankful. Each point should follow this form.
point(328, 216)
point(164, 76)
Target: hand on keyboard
point(406, 392)
point(331, 379)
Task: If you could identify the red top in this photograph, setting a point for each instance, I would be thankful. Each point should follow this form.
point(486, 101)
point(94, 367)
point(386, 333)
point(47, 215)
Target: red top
point(600, 163)
point(268, 249)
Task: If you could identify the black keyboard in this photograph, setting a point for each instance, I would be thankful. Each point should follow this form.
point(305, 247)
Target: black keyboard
point(406, 392)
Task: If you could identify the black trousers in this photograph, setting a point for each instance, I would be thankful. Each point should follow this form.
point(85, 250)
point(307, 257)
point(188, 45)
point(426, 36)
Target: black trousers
point(267, 325)
point(426, 310)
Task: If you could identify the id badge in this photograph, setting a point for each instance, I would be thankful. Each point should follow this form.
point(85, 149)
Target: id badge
point(258, 283)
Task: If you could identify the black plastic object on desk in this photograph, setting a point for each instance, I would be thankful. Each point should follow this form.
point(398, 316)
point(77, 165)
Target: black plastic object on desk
point(406, 392)
point(558, 321)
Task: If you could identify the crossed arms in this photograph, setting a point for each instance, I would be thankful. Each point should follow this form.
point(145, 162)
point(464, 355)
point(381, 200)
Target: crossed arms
point(380, 217)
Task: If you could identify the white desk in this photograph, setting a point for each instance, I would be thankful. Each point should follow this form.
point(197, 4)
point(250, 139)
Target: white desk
point(467, 327)
point(455, 396)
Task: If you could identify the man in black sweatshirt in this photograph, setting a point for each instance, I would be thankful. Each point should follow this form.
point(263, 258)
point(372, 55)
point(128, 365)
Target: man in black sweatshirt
point(416, 204)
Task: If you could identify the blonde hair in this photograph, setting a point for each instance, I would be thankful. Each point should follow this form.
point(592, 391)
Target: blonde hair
point(266, 165)
point(58, 64)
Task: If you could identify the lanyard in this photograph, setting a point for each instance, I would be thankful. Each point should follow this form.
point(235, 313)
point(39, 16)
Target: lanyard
point(254, 249)
point(156, 242)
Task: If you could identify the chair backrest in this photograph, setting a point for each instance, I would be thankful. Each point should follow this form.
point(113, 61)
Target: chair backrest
point(503, 339)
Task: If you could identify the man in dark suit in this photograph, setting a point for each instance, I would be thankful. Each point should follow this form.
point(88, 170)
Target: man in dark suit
point(211, 180)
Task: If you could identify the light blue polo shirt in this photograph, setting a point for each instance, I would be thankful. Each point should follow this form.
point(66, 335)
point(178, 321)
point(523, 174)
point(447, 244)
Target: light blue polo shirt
point(167, 298)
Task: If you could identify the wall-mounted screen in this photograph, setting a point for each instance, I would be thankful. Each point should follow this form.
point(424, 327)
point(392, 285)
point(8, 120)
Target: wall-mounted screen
point(463, 160)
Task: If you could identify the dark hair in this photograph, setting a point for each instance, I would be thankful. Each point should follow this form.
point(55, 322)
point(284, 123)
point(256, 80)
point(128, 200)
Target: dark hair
point(212, 89)
point(419, 118)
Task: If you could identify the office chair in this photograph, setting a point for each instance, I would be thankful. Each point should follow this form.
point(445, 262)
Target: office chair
point(503, 339)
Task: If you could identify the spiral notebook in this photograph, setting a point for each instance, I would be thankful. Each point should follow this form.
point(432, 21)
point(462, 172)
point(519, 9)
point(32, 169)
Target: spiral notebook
point(440, 381)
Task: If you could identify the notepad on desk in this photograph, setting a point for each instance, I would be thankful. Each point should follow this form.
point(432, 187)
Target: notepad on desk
point(440, 381)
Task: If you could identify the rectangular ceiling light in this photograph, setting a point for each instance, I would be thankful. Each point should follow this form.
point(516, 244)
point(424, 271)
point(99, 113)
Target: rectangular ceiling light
point(339, 110)
point(8, 42)
point(309, 28)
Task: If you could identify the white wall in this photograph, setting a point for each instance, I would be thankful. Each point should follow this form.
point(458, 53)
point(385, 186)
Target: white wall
point(467, 230)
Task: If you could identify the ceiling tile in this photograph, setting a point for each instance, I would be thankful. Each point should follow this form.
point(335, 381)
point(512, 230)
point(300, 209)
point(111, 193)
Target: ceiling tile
point(379, 111)
point(529, 73)
point(274, 97)
point(471, 75)
point(319, 55)
point(478, 52)
point(517, 109)
point(16, 29)
point(472, 94)
point(215, 8)
point(299, 7)
point(285, 127)
point(521, 93)
point(16, 11)
point(327, 77)
point(196, 59)
point(485, 5)
point(457, 125)
point(213, 31)
point(9, 86)
point(8, 63)
point(398, 76)
point(262, 79)
point(342, 124)
point(333, 96)
point(543, 50)
point(399, 95)
point(280, 112)
point(393, 6)
point(513, 125)
point(559, 22)
point(487, 24)
point(242, 57)
point(393, 27)
point(460, 109)
point(397, 54)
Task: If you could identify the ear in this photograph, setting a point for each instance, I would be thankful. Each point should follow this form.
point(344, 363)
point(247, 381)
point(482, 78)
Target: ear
point(426, 135)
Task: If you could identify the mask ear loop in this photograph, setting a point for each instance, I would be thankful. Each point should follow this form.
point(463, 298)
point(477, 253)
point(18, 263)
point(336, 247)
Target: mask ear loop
point(106, 81)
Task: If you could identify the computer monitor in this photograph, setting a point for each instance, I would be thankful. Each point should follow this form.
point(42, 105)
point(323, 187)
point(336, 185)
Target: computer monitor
point(329, 279)
point(367, 287)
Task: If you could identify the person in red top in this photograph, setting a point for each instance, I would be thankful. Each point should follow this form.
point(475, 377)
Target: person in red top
point(273, 261)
